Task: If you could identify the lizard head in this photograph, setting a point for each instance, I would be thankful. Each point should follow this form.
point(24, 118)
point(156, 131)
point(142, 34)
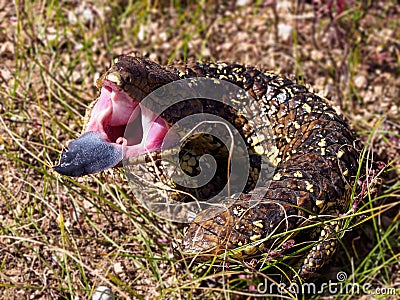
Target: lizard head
point(104, 143)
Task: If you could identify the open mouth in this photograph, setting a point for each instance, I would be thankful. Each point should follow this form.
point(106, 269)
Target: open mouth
point(119, 127)
point(122, 121)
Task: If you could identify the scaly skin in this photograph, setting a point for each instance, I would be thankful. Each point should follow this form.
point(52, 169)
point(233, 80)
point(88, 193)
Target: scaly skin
point(315, 158)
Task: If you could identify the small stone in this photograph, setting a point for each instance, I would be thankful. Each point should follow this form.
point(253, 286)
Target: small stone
point(360, 81)
point(103, 293)
point(118, 268)
point(317, 55)
point(242, 2)
point(284, 31)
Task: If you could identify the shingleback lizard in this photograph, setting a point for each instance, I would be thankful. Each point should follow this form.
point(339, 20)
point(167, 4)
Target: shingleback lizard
point(315, 155)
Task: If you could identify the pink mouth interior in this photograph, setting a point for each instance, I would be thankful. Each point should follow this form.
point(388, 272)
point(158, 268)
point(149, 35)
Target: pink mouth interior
point(122, 121)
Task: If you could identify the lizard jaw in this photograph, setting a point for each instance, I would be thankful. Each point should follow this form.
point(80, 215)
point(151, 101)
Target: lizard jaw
point(119, 127)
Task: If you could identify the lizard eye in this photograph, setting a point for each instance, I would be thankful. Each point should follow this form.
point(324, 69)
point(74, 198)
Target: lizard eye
point(126, 77)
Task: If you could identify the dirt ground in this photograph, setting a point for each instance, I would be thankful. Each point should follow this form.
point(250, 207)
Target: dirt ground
point(62, 238)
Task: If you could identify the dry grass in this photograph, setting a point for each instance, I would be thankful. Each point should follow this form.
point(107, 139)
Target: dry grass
point(61, 238)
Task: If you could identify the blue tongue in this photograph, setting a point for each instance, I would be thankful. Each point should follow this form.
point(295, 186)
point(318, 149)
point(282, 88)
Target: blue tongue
point(88, 154)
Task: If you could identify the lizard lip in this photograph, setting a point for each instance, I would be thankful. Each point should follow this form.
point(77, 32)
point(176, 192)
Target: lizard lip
point(124, 122)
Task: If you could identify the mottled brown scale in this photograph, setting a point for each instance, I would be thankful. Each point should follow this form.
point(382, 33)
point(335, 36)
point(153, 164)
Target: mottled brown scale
point(310, 177)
